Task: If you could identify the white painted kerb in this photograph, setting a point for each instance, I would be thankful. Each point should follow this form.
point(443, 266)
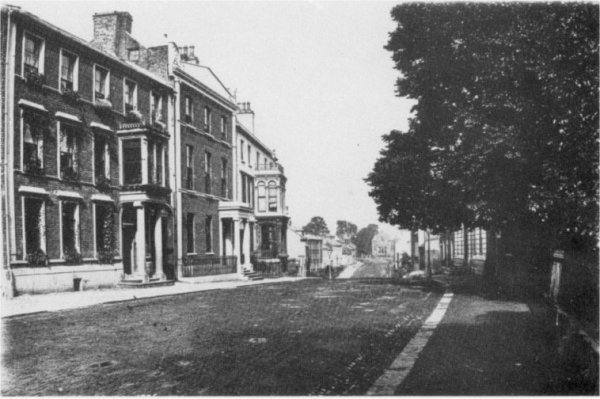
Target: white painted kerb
point(401, 366)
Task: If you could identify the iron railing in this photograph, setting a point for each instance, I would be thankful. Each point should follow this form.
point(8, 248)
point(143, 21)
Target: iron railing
point(268, 253)
point(270, 167)
point(203, 265)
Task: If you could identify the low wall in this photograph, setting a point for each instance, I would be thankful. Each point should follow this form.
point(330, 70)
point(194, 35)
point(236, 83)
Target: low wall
point(38, 280)
point(211, 279)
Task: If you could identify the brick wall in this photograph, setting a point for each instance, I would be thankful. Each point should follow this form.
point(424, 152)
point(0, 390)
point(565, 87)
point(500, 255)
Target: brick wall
point(53, 100)
point(201, 207)
point(199, 101)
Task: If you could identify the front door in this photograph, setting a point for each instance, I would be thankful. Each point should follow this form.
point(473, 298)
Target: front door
point(128, 231)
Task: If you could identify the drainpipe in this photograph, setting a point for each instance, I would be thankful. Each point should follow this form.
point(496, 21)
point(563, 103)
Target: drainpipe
point(8, 224)
point(177, 179)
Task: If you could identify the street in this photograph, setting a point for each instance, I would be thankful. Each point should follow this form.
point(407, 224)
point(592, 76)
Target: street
point(309, 337)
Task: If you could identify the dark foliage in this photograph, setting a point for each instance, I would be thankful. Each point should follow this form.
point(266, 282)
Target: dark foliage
point(505, 131)
point(316, 226)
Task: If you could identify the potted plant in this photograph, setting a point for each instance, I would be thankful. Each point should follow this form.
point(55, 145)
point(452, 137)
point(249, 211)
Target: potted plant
point(103, 183)
point(102, 104)
point(33, 166)
point(34, 78)
point(71, 95)
point(134, 115)
point(37, 258)
point(72, 257)
point(70, 174)
point(106, 256)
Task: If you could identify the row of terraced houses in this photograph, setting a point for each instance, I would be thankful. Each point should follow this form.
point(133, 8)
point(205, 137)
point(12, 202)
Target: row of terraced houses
point(125, 164)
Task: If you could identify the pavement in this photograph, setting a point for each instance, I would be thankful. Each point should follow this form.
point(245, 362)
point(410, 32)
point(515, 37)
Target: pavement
point(493, 343)
point(51, 302)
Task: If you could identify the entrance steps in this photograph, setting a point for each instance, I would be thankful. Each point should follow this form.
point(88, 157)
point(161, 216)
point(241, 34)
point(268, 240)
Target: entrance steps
point(252, 275)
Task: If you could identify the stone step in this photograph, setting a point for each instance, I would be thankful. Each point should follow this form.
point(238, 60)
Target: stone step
point(254, 276)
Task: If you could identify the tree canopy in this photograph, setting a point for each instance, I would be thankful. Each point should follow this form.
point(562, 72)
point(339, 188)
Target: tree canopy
point(346, 231)
point(316, 226)
point(364, 238)
point(505, 129)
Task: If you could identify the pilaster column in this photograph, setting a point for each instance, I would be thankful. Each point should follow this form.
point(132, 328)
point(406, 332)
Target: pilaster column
point(246, 243)
point(237, 247)
point(158, 249)
point(145, 155)
point(140, 243)
point(222, 250)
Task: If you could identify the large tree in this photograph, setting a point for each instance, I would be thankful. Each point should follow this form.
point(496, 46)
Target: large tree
point(346, 230)
point(364, 239)
point(505, 127)
point(316, 226)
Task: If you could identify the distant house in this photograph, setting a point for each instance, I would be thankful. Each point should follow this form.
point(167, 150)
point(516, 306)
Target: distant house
point(382, 245)
point(466, 248)
point(314, 251)
point(333, 252)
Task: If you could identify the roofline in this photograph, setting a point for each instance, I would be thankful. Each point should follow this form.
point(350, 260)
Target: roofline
point(212, 73)
point(253, 137)
point(34, 18)
point(191, 81)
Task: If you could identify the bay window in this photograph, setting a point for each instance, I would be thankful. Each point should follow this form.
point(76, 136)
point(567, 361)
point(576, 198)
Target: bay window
point(272, 197)
point(132, 161)
point(262, 196)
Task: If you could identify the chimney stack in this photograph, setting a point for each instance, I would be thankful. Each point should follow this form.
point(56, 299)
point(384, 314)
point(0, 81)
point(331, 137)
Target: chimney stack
point(111, 32)
point(245, 115)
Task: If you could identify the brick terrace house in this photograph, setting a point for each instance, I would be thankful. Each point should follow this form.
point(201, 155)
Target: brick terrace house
point(122, 163)
point(200, 150)
point(207, 231)
point(85, 191)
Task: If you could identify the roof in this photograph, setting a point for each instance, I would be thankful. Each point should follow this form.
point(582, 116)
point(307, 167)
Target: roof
point(256, 140)
point(311, 237)
point(207, 77)
point(89, 46)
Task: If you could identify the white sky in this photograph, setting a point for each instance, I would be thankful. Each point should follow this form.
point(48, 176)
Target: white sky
point(316, 73)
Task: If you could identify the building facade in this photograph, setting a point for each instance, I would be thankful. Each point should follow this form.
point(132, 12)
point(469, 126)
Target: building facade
point(466, 248)
point(122, 163)
point(261, 187)
point(86, 188)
